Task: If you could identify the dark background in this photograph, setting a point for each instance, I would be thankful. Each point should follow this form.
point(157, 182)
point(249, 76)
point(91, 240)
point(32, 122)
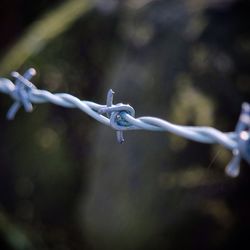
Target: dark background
point(65, 183)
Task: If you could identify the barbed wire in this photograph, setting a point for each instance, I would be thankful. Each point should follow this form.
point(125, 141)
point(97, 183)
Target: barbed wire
point(121, 117)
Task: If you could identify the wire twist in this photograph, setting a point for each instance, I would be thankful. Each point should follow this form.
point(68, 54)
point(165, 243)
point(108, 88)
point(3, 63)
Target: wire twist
point(121, 117)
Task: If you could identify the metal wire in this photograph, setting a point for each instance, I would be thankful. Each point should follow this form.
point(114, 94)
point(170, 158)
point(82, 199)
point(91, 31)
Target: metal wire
point(121, 117)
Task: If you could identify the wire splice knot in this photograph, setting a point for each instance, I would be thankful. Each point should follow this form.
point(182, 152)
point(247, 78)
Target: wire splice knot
point(21, 93)
point(116, 115)
point(242, 131)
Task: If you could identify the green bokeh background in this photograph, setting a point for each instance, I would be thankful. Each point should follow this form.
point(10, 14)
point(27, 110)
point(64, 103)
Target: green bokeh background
point(65, 183)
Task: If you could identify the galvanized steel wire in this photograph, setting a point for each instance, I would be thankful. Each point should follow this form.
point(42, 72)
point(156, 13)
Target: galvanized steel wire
point(121, 117)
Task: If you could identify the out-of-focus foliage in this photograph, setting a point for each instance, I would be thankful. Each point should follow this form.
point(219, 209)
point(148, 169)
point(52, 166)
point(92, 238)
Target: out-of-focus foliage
point(64, 181)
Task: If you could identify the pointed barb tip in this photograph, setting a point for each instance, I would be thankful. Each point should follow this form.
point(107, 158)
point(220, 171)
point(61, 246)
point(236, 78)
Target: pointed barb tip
point(31, 71)
point(233, 168)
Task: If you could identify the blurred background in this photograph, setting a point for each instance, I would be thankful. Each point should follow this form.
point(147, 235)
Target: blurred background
point(66, 184)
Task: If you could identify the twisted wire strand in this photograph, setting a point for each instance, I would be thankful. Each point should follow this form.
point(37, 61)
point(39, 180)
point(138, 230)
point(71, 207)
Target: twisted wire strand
point(120, 117)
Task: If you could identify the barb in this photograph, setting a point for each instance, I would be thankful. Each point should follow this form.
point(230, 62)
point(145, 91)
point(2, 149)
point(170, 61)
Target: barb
point(121, 117)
